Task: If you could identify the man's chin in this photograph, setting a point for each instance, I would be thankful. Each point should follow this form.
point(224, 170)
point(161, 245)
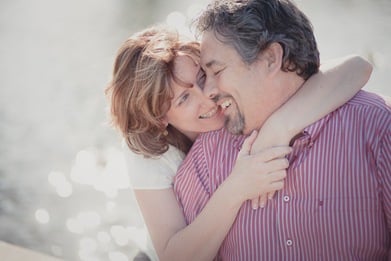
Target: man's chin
point(234, 127)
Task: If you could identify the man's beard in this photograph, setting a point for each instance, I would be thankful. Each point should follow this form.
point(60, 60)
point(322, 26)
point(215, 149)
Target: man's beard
point(235, 124)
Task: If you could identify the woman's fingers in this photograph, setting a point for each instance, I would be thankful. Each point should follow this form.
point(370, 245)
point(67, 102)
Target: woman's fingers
point(274, 153)
point(262, 200)
point(261, 173)
point(276, 182)
point(255, 203)
point(276, 165)
point(275, 177)
point(247, 144)
point(270, 195)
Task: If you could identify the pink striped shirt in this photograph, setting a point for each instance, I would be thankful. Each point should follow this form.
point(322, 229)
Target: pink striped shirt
point(336, 202)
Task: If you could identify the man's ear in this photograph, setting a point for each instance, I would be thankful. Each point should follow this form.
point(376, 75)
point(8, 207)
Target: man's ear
point(273, 56)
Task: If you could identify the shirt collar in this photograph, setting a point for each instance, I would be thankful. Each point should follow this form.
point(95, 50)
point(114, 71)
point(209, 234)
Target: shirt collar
point(315, 129)
point(303, 142)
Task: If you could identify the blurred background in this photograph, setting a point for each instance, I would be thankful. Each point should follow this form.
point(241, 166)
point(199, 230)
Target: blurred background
point(63, 188)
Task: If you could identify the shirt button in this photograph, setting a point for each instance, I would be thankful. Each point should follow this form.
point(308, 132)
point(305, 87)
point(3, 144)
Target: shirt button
point(289, 242)
point(286, 198)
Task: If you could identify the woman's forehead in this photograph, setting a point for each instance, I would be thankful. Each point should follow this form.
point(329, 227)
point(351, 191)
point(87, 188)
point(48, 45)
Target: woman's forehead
point(188, 57)
point(185, 68)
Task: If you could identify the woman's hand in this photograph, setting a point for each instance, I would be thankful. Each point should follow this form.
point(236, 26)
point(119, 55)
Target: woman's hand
point(256, 175)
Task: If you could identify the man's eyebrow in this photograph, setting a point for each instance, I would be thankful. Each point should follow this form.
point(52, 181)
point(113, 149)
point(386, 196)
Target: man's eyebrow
point(212, 63)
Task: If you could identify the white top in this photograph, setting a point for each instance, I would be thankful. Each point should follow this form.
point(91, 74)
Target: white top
point(153, 173)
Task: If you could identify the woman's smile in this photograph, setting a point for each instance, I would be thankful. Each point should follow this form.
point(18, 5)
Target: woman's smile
point(210, 113)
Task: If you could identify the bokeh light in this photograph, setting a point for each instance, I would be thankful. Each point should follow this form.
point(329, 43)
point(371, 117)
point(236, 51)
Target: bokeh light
point(103, 237)
point(62, 186)
point(117, 256)
point(42, 216)
point(88, 245)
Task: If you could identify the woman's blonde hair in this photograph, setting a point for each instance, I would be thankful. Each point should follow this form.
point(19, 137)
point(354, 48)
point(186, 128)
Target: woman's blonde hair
point(140, 92)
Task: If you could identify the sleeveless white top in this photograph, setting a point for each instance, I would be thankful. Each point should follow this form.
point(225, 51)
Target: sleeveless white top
point(152, 173)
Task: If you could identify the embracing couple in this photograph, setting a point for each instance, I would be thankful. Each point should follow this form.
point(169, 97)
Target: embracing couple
point(242, 147)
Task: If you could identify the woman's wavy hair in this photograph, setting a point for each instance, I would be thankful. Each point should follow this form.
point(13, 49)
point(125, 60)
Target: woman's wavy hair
point(140, 91)
point(250, 26)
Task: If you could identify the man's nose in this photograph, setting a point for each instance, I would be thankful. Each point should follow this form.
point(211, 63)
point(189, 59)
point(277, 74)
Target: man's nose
point(210, 89)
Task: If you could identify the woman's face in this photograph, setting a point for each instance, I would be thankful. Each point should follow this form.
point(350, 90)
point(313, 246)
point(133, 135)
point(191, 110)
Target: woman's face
point(191, 112)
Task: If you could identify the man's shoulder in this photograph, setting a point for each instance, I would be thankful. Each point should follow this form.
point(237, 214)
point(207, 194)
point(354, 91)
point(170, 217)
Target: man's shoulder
point(367, 113)
point(371, 101)
point(213, 142)
point(222, 133)
point(209, 138)
point(206, 148)
point(365, 107)
point(370, 109)
point(196, 155)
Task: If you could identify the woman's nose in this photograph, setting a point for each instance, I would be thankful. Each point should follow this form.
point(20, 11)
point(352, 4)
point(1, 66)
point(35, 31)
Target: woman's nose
point(204, 99)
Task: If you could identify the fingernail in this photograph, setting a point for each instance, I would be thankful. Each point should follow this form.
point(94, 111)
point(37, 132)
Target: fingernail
point(255, 207)
point(262, 205)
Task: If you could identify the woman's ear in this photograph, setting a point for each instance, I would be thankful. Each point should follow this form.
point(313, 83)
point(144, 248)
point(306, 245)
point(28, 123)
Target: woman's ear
point(164, 121)
point(273, 55)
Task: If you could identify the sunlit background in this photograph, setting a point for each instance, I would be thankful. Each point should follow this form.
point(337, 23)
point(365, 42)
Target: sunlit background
point(63, 187)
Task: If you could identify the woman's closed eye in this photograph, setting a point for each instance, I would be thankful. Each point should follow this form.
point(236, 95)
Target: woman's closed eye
point(183, 98)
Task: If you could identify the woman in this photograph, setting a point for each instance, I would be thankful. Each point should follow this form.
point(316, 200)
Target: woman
point(158, 105)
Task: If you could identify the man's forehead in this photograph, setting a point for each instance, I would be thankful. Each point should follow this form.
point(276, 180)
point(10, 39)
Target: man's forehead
point(209, 56)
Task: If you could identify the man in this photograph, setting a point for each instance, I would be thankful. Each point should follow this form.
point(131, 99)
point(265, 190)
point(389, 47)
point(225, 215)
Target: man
point(336, 201)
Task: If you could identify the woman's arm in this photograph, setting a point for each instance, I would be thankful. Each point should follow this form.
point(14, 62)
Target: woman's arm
point(200, 240)
point(337, 82)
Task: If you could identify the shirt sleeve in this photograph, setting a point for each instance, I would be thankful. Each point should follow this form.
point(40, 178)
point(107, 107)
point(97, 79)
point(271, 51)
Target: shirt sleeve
point(192, 183)
point(153, 173)
point(384, 167)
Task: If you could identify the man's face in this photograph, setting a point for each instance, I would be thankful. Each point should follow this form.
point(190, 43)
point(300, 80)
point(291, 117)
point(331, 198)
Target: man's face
point(241, 90)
